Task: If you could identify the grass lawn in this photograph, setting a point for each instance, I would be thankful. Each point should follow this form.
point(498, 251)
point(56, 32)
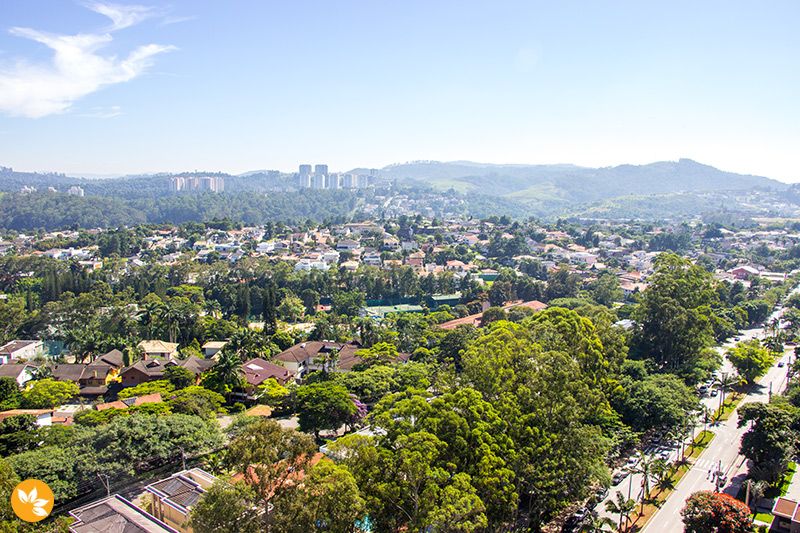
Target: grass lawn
point(763, 517)
point(730, 405)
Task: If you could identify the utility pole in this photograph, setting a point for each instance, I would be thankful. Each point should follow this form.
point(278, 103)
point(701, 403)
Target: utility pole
point(183, 456)
point(105, 483)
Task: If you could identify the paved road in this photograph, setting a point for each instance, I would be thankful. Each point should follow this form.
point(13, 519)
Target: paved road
point(723, 452)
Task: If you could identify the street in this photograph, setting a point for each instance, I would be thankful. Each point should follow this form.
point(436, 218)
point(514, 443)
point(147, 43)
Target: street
point(724, 448)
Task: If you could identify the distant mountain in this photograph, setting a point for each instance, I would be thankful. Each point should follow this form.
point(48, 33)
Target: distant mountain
point(569, 184)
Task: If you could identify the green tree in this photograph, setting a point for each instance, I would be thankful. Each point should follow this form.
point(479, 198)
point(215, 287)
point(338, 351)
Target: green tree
point(10, 396)
point(270, 458)
point(196, 400)
point(226, 375)
point(227, 507)
point(324, 405)
point(47, 394)
point(161, 386)
point(328, 501)
point(18, 433)
point(710, 512)
point(9, 523)
point(179, 377)
point(769, 443)
point(291, 309)
point(672, 324)
point(656, 401)
point(621, 506)
point(750, 360)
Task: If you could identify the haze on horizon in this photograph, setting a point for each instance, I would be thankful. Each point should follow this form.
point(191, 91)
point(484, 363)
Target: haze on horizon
point(93, 87)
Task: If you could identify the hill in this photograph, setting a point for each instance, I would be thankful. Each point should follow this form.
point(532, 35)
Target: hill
point(570, 184)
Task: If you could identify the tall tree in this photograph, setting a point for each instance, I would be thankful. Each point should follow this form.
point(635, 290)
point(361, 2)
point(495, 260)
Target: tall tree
point(710, 512)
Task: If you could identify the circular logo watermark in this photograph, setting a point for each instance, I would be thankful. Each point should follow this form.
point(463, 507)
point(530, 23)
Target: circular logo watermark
point(32, 500)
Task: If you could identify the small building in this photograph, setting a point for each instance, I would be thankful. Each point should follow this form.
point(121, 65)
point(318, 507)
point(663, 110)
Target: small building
point(23, 373)
point(175, 496)
point(160, 349)
point(257, 371)
point(19, 349)
point(115, 513)
point(788, 513)
point(44, 417)
point(131, 402)
point(211, 348)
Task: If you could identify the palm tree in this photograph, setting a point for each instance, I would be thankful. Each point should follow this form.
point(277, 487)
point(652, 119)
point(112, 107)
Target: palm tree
point(705, 414)
point(43, 372)
point(597, 525)
point(647, 467)
point(172, 315)
point(755, 490)
point(228, 369)
point(149, 313)
point(725, 382)
point(622, 506)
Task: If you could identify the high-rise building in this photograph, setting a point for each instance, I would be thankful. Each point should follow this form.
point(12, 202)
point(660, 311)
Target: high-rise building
point(321, 169)
point(305, 180)
point(318, 181)
point(75, 191)
point(203, 183)
point(305, 169)
point(333, 181)
point(349, 181)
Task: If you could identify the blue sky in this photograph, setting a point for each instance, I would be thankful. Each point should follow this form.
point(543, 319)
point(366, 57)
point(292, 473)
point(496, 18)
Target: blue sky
point(91, 87)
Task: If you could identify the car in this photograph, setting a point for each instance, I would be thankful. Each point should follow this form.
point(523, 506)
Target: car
point(617, 478)
point(632, 462)
point(713, 392)
point(780, 364)
point(600, 494)
point(664, 455)
point(736, 338)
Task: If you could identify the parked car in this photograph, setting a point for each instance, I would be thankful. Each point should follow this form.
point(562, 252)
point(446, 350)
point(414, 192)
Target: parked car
point(632, 462)
point(617, 478)
point(600, 494)
point(780, 364)
point(713, 392)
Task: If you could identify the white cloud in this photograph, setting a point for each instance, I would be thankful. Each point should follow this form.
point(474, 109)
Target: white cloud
point(122, 16)
point(77, 68)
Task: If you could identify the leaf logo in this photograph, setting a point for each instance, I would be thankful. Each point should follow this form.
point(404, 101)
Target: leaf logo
point(32, 500)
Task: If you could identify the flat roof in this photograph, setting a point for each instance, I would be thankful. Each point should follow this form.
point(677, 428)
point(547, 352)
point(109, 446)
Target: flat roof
point(785, 508)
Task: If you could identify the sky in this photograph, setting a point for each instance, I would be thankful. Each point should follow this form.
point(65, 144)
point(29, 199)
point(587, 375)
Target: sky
point(98, 88)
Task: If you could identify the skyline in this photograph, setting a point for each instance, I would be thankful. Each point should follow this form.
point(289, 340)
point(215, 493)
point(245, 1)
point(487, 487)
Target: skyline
point(101, 88)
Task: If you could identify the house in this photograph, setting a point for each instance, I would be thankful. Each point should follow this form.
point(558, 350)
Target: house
point(14, 350)
point(305, 357)
point(44, 417)
point(147, 370)
point(743, 272)
point(160, 349)
point(194, 364)
point(131, 402)
point(788, 513)
point(416, 259)
point(347, 245)
point(211, 348)
point(372, 259)
point(476, 320)
point(142, 371)
point(175, 496)
point(257, 371)
point(23, 373)
point(115, 513)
